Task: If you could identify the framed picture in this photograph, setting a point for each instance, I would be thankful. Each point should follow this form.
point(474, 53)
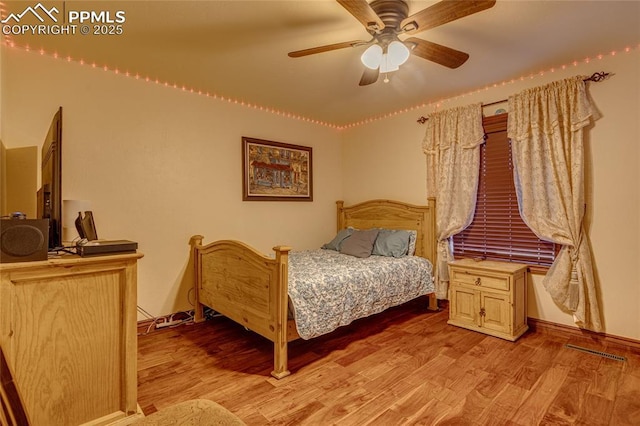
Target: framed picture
point(275, 171)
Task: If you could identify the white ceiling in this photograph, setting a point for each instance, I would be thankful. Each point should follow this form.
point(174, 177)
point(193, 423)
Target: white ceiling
point(239, 49)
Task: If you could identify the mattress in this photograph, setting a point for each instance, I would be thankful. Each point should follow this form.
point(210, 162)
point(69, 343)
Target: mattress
point(328, 289)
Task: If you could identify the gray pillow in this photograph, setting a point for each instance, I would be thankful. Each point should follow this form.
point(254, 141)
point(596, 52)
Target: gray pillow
point(360, 243)
point(337, 241)
point(391, 243)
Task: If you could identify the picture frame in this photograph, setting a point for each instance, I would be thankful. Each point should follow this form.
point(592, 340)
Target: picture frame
point(276, 171)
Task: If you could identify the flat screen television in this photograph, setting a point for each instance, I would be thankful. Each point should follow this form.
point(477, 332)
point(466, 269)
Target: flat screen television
point(50, 193)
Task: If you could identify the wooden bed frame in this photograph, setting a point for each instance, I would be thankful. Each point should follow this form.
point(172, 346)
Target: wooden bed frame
point(250, 288)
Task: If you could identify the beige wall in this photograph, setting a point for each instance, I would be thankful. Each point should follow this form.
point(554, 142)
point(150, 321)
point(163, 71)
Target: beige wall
point(384, 159)
point(159, 165)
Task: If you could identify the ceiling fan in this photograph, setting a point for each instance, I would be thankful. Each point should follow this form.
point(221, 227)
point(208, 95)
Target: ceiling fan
point(385, 20)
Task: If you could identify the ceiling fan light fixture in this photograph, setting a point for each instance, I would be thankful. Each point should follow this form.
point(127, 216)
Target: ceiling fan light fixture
point(389, 59)
point(372, 57)
point(385, 20)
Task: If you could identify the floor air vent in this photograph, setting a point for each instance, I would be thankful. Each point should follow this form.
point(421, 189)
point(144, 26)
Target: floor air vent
point(591, 351)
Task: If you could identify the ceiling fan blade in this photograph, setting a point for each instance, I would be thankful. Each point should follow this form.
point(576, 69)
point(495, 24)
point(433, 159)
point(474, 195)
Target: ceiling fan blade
point(327, 48)
point(437, 53)
point(443, 12)
point(369, 76)
point(361, 10)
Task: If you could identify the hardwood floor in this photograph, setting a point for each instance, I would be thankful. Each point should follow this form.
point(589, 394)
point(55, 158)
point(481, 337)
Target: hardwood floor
point(404, 366)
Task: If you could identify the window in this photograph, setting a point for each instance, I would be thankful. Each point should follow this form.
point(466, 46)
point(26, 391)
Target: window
point(497, 231)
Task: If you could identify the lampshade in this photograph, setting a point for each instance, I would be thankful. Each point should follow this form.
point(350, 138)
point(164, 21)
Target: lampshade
point(372, 57)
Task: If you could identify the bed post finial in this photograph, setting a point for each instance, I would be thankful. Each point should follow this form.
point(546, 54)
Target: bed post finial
point(196, 240)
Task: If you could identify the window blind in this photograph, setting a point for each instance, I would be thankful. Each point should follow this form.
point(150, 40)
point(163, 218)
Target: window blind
point(497, 231)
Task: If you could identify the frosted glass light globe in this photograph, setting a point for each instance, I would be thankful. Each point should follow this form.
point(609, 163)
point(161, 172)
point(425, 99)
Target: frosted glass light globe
point(372, 57)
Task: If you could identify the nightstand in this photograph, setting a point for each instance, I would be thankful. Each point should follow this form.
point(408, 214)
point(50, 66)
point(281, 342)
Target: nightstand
point(489, 297)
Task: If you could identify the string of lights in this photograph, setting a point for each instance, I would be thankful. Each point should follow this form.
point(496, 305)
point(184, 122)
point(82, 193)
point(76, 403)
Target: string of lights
point(430, 104)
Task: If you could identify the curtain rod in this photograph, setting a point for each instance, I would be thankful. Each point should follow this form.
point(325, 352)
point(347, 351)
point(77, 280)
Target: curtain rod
point(595, 77)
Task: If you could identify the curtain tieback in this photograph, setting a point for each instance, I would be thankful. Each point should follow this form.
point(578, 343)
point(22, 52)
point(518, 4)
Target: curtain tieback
point(574, 283)
point(574, 289)
point(575, 251)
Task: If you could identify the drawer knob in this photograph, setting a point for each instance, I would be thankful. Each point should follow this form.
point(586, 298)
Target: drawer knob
point(477, 281)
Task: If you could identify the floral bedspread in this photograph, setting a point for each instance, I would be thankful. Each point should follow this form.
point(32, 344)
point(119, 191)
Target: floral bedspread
point(328, 289)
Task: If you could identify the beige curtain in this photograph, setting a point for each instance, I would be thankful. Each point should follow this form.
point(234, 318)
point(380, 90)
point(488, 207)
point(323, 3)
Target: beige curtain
point(546, 131)
point(451, 144)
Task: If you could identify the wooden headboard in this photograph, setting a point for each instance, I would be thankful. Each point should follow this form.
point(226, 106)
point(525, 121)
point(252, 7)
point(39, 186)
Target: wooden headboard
point(394, 215)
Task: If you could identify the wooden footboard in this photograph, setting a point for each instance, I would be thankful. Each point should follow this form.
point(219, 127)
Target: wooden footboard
point(247, 287)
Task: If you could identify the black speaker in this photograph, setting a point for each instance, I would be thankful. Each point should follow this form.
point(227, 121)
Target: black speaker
point(24, 240)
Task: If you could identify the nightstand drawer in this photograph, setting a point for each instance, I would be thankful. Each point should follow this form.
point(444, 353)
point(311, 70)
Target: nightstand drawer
point(482, 279)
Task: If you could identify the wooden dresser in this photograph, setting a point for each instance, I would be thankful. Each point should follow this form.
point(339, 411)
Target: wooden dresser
point(68, 330)
point(489, 297)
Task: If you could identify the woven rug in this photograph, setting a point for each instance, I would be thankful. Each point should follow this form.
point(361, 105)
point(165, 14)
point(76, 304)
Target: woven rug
point(196, 412)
